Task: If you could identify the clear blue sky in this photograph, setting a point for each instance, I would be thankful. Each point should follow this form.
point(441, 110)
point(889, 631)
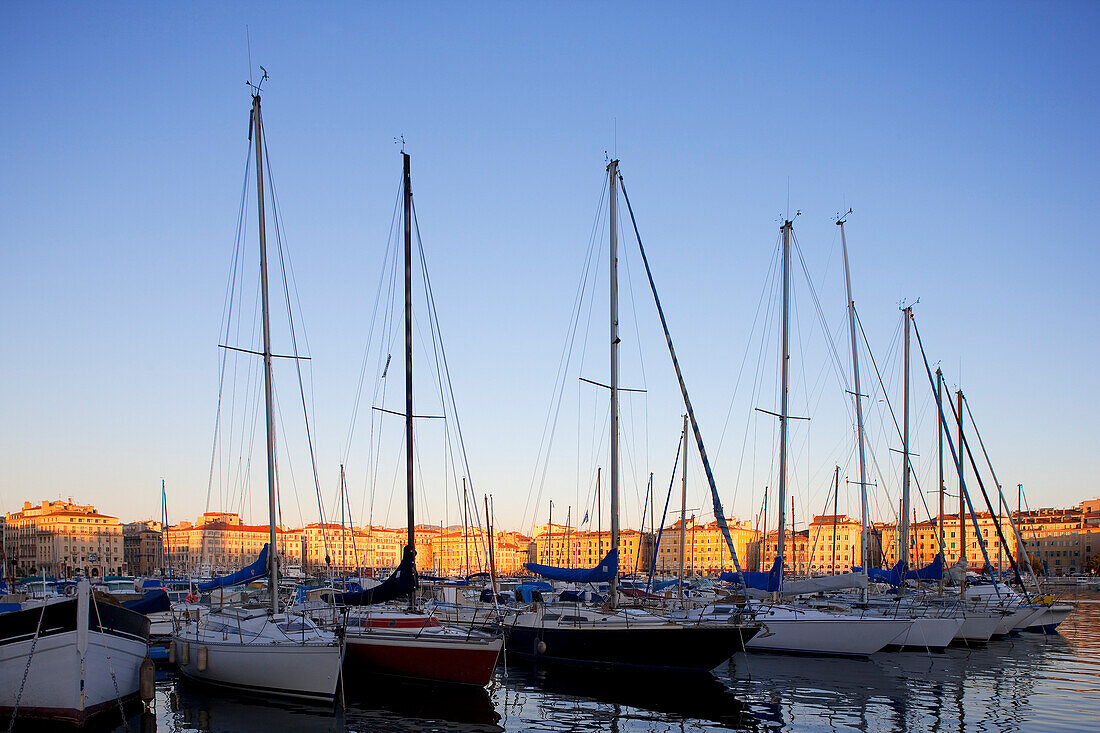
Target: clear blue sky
point(963, 135)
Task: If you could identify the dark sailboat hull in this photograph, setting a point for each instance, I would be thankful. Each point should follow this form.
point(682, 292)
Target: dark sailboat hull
point(669, 647)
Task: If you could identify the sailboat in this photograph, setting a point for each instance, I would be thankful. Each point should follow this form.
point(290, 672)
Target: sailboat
point(258, 649)
point(798, 628)
point(412, 643)
point(571, 633)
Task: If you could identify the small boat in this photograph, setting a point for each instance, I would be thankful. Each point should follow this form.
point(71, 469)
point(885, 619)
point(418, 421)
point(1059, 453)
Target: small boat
point(68, 659)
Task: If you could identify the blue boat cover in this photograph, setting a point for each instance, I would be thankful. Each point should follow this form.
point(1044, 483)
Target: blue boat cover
point(893, 576)
point(606, 570)
point(247, 574)
point(768, 581)
point(667, 584)
point(527, 593)
point(931, 571)
point(152, 602)
point(401, 583)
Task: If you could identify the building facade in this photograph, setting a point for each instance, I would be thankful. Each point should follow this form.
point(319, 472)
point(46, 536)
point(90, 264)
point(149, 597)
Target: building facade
point(63, 539)
point(142, 547)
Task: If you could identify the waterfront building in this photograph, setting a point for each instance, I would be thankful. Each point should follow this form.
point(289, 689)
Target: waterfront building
point(704, 548)
point(564, 546)
point(796, 552)
point(219, 542)
point(834, 543)
point(63, 539)
point(142, 547)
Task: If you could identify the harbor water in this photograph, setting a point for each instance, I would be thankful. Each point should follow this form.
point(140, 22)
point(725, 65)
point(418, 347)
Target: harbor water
point(1029, 682)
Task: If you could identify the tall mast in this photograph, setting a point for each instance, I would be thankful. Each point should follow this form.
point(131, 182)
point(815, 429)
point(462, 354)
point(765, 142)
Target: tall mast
point(407, 178)
point(784, 359)
point(864, 550)
point(683, 509)
point(612, 179)
point(836, 495)
point(962, 503)
point(939, 436)
point(465, 527)
point(903, 535)
point(343, 525)
point(164, 512)
point(550, 536)
point(269, 395)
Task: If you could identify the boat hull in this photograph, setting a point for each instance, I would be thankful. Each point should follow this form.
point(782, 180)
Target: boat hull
point(302, 671)
point(856, 637)
point(699, 647)
point(977, 628)
point(58, 686)
point(445, 659)
point(1047, 622)
point(928, 633)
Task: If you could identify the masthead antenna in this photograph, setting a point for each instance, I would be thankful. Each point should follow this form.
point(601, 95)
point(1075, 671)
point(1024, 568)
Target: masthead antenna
point(841, 218)
point(256, 87)
point(400, 140)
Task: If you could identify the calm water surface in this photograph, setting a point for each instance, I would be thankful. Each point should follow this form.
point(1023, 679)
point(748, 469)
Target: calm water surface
point(1026, 683)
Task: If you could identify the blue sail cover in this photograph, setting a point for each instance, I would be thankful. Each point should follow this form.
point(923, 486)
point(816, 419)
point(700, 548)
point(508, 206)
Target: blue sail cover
point(606, 570)
point(247, 574)
point(893, 576)
point(152, 602)
point(401, 583)
point(931, 571)
point(768, 581)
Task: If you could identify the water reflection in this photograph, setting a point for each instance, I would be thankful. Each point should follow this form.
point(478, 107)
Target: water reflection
point(1030, 682)
point(574, 699)
point(1027, 683)
point(192, 706)
point(374, 703)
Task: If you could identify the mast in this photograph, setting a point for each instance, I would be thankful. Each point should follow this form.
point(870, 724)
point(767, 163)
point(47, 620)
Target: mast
point(903, 535)
point(465, 527)
point(568, 535)
point(939, 436)
point(599, 526)
point(864, 550)
point(269, 395)
point(962, 503)
point(683, 509)
point(343, 526)
point(550, 536)
point(612, 178)
point(164, 512)
point(492, 560)
point(794, 547)
point(409, 500)
point(836, 495)
point(784, 359)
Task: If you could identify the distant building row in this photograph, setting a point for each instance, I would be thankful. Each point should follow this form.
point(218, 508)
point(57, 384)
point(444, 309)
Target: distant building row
point(65, 539)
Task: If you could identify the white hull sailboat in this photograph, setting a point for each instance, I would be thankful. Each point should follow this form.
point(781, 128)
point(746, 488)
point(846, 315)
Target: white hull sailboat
point(795, 630)
point(260, 649)
point(251, 650)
